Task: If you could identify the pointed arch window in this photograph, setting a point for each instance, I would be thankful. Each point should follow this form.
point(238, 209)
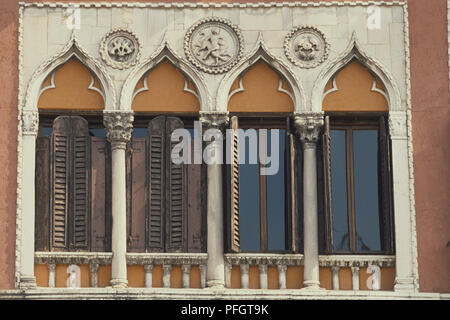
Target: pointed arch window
point(355, 176)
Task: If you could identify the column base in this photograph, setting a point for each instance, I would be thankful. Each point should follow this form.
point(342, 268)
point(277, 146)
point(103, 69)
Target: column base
point(404, 284)
point(27, 282)
point(215, 284)
point(311, 285)
point(119, 283)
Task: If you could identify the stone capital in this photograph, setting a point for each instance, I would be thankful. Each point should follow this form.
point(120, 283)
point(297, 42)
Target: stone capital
point(398, 125)
point(214, 119)
point(119, 126)
point(309, 126)
point(30, 122)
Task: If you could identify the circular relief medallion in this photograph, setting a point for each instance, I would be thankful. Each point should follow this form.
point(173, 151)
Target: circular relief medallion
point(213, 45)
point(120, 49)
point(306, 46)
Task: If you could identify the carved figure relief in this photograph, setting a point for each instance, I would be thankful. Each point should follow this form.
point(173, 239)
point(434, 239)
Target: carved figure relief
point(306, 46)
point(213, 45)
point(120, 49)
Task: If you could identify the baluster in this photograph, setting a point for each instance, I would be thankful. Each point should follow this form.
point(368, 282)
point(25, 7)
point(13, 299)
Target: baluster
point(186, 268)
point(148, 275)
point(93, 273)
point(244, 276)
point(355, 278)
point(335, 272)
point(263, 276)
point(51, 274)
point(202, 275)
point(166, 275)
point(282, 275)
point(228, 268)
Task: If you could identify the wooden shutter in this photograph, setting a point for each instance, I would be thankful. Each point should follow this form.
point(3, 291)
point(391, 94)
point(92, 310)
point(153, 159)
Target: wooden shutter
point(60, 141)
point(291, 203)
point(137, 194)
point(156, 131)
point(42, 194)
point(70, 176)
point(80, 183)
point(176, 192)
point(100, 195)
point(196, 195)
point(233, 189)
point(385, 189)
point(326, 217)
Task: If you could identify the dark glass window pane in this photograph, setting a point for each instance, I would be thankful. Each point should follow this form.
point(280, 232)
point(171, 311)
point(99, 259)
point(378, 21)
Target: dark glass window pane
point(98, 133)
point(45, 131)
point(140, 132)
point(249, 203)
point(365, 158)
point(276, 197)
point(339, 190)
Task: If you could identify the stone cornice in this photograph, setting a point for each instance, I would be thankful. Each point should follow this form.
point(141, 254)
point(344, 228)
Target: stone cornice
point(168, 5)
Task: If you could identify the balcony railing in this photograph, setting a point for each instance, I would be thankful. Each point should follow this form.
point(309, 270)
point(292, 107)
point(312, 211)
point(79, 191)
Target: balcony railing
point(148, 260)
point(243, 262)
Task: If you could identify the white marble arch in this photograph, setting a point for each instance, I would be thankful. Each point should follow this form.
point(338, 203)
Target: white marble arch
point(164, 51)
point(70, 50)
point(355, 51)
point(402, 173)
point(260, 52)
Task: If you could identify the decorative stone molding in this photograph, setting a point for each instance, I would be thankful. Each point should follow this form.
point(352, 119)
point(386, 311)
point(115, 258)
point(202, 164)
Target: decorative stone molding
point(119, 126)
point(72, 258)
point(410, 148)
point(398, 125)
point(167, 258)
point(164, 51)
point(120, 48)
point(179, 5)
point(356, 261)
point(309, 127)
point(264, 259)
point(306, 46)
point(213, 44)
point(70, 50)
point(354, 50)
point(30, 122)
point(214, 120)
point(261, 52)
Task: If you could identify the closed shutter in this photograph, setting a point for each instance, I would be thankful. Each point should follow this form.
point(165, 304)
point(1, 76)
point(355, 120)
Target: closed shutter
point(233, 187)
point(42, 194)
point(176, 193)
point(70, 175)
point(385, 189)
point(156, 131)
point(292, 222)
point(324, 191)
point(100, 195)
point(137, 194)
point(80, 183)
point(60, 182)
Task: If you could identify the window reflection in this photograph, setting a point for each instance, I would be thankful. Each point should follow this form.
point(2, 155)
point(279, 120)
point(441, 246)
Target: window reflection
point(365, 153)
point(339, 190)
point(276, 197)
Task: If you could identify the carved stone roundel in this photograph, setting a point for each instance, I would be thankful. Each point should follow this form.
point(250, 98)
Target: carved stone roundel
point(213, 45)
point(120, 49)
point(306, 46)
